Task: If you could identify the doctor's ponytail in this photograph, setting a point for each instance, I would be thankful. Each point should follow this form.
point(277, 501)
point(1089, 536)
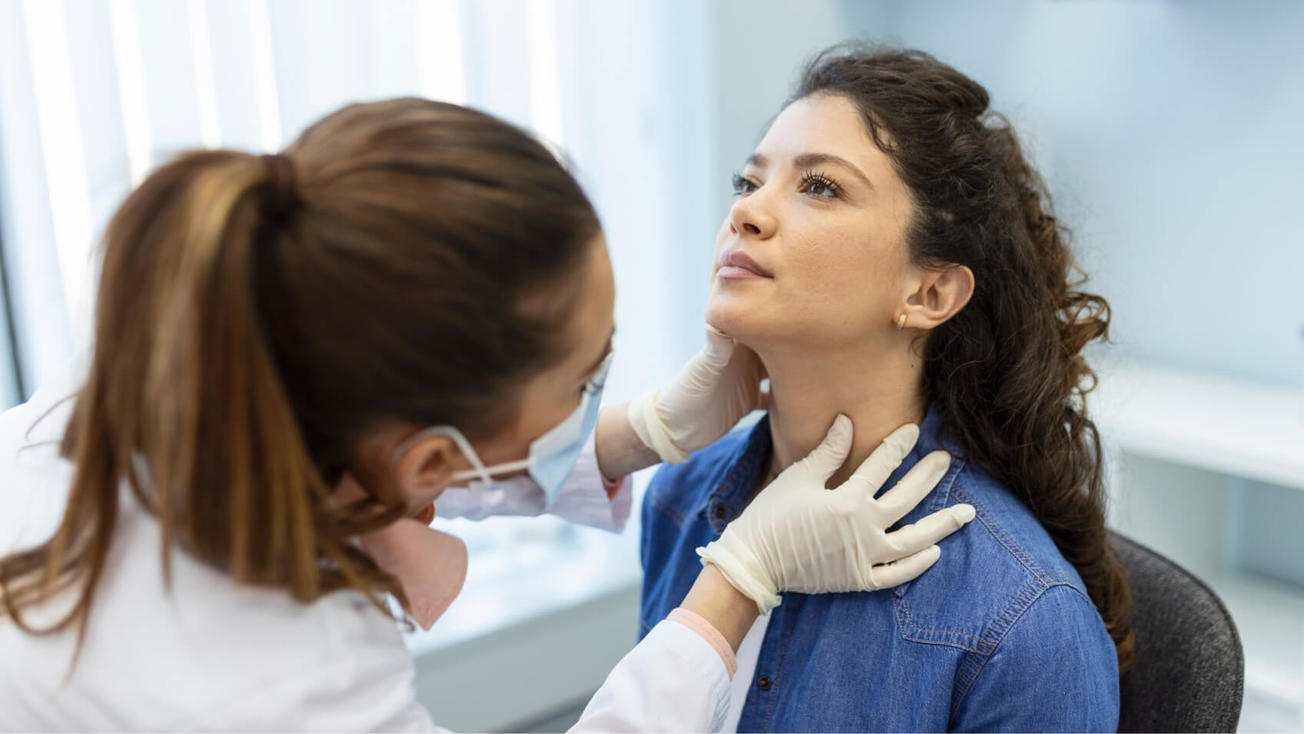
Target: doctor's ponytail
point(184, 394)
point(258, 315)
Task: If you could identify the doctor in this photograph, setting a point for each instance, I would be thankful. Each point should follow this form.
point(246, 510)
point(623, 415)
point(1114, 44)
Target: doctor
point(297, 359)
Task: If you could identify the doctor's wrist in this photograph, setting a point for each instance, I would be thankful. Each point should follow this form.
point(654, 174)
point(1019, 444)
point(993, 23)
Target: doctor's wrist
point(727, 609)
point(619, 450)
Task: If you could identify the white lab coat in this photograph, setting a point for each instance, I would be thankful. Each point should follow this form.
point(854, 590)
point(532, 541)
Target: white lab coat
point(212, 654)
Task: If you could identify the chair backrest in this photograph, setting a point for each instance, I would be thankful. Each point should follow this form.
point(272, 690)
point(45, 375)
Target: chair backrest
point(1190, 669)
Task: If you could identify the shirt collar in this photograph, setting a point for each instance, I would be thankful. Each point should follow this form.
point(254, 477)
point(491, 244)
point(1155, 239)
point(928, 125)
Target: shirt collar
point(732, 488)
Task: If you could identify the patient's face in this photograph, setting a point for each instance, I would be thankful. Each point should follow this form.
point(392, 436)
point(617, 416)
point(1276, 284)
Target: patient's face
point(823, 214)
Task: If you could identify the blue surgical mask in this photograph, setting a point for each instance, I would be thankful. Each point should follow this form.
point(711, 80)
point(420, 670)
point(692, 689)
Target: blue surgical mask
point(552, 456)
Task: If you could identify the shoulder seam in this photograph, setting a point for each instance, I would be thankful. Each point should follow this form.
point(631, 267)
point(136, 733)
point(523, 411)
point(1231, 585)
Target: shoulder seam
point(979, 663)
point(1001, 537)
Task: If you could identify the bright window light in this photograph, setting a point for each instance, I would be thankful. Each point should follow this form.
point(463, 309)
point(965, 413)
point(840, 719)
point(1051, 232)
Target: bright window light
point(131, 88)
point(210, 130)
point(269, 110)
point(545, 75)
point(61, 148)
point(439, 50)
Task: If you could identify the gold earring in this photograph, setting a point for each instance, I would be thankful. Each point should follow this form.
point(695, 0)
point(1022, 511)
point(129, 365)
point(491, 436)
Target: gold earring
point(901, 322)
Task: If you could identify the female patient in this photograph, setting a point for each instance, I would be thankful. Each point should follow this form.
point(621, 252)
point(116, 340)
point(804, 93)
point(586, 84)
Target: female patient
point(892, 256)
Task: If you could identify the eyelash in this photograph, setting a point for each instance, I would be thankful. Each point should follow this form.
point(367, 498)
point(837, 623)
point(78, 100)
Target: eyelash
point(739, 182)
point(816, 177)
point(743, 186)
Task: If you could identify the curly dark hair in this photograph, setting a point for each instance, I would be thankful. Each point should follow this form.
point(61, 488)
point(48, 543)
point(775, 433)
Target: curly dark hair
point(1006, 373)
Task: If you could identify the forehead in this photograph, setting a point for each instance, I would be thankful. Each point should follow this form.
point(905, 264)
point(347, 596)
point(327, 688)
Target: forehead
point(821, 123)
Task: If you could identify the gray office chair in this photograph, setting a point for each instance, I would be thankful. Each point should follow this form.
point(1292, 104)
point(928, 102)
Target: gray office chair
point(1190, 669)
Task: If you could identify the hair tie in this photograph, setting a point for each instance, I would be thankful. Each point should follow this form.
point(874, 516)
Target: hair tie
point(282, 191)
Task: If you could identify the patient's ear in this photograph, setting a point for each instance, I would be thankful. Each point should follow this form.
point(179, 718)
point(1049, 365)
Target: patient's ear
point(938, 295)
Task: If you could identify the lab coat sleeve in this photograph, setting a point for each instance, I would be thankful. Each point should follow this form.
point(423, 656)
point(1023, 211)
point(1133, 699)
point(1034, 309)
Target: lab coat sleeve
point(583, 498)
point(673, 681)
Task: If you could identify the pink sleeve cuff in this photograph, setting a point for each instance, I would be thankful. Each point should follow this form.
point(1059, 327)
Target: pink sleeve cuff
point(612, 486)
point(705, 630)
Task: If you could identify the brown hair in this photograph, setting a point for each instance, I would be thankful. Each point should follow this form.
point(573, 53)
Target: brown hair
point(258, 316)
point(1006, 372)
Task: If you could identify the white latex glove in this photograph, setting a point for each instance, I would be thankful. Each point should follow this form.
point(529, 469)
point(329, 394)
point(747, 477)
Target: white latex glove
point(708, 397)
point(798, 536)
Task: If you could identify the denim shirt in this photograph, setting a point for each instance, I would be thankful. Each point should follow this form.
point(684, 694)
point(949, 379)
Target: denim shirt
point(999, 635)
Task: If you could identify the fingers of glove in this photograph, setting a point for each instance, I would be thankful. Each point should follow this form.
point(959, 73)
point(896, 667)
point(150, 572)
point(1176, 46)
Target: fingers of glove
point(898, 501)
point(875, 470)
point(832, 451)
point(919, 535)
point(887, 575)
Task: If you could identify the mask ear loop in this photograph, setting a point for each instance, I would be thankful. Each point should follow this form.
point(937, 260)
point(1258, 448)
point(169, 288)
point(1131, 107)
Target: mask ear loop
point(478, 468)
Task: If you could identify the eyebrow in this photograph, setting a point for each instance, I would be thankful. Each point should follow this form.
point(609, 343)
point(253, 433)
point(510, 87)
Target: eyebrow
point(808, 160)
point(606, 352)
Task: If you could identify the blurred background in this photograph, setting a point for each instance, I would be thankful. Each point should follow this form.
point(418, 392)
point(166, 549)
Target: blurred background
point(1169, 132)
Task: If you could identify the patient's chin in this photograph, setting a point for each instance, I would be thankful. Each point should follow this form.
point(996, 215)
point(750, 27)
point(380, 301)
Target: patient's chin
point(724, 315)
point(741, 323)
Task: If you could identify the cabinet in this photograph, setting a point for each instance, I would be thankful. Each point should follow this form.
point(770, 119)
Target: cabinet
point(1187, 453)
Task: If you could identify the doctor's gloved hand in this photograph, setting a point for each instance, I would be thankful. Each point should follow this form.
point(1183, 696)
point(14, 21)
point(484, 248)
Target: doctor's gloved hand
point(796, 535)
point(708, 397)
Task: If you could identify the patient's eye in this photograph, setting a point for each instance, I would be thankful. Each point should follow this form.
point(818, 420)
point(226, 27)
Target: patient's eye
point(818, 185)
point(743, 185)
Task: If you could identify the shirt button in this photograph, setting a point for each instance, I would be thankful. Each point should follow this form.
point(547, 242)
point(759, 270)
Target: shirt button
point(719, 512)
point(763, 683)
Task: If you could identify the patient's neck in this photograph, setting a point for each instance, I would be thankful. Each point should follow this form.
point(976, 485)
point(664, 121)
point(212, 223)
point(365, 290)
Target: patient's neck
point(877, 389)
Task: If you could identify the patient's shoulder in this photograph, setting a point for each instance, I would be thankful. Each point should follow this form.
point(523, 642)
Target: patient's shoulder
point(990, 572)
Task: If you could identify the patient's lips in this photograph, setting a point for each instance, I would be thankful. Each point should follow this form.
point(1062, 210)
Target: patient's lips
point(738, 265)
